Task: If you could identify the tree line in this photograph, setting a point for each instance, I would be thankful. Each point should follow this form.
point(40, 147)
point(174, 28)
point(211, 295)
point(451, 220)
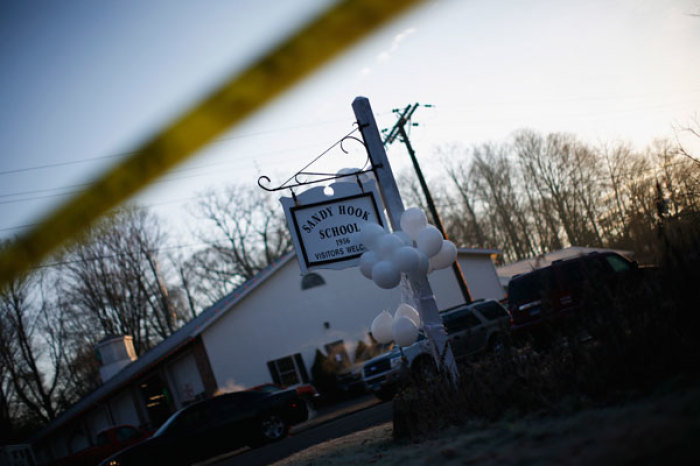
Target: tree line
point(539, 193)
point(122, 277)
point(526, 196)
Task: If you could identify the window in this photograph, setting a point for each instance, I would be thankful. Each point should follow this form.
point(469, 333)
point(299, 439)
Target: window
point(460, 321)
point(531, 286)
point(618, 264)
point(233, 405)
point(102, 438)
point(311, 280)
point(288, 371)
point(191, 418)
point(126, 433)
point(492, 310)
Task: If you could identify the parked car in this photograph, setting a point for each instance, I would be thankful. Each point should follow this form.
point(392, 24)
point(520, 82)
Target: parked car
point(547, 296)
point(473, 328)
point(217, 425)
point(482, 325)
point(108, 442)
point(306, 392)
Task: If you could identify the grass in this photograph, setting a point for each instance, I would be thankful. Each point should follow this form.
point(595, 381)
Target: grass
point(660, 429)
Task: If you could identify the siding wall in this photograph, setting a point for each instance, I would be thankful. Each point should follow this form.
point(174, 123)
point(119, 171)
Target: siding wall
point(185, 378)
point(279, 319)
point(124, 409)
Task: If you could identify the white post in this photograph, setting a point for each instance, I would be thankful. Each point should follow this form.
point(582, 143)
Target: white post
point(430, 316)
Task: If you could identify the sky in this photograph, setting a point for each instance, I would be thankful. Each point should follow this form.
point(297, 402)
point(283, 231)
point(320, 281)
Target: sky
point(84, 82)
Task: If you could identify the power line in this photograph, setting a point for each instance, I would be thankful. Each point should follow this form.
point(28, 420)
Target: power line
point(640, 96)
point(167, 179)
point(127, 154)
point(326, 122)
point(116, 255)
point(19, 227)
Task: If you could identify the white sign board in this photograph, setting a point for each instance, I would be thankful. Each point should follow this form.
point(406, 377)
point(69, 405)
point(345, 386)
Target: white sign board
point(326, 229)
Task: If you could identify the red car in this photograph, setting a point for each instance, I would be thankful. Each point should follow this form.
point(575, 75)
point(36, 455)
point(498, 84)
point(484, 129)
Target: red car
point(109, 441)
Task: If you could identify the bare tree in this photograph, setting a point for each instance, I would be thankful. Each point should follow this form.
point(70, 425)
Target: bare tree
point(458, 172)
point(562, 171)
point(495, 181)
point(692, 129)
point(6, 403)
point(112, 278)
point(617, 160)
point(244, 230)
point(32, 338)
point(411, 192)
point(678, 175)
point(187, 277)
point(587, 190)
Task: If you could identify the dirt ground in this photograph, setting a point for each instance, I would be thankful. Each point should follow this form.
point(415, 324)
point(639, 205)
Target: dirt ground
point(663, 429)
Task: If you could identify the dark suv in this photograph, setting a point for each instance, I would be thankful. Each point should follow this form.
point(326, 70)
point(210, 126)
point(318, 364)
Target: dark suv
point(549, 294)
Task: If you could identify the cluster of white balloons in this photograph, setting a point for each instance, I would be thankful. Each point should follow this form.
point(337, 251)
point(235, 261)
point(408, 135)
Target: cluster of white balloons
point(389, 255)
point(402, 327)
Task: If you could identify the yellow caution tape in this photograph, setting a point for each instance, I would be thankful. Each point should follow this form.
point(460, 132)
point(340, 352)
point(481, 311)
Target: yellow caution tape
point(318, 42)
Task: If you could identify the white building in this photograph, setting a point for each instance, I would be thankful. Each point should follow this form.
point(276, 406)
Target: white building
point(267, 330)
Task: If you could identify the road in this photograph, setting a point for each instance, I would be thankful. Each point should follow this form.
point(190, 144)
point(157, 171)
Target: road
point(337, 423)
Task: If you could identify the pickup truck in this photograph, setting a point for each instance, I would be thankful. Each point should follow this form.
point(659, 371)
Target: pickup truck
point(109, 441)
point(472, 328)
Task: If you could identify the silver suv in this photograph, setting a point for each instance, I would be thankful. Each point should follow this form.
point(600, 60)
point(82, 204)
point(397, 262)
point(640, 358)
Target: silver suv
point(479, 326)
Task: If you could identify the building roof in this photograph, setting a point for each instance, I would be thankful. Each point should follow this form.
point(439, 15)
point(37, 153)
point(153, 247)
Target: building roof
point(179, 339)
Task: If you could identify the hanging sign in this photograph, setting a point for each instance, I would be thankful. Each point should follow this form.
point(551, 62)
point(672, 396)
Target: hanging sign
point(326, 223)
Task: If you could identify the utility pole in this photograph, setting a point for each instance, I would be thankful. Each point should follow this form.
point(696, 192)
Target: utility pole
point(399, 129)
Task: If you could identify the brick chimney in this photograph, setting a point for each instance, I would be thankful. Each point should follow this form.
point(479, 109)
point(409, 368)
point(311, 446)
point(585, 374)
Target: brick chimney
point(115, 352)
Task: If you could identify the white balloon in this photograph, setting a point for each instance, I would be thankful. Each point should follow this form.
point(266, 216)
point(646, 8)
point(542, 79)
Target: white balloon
point(445, 257)
point(407, 259)
point(367, 261)
point(404, 331)
point(429, 240)
point(408, 311)
point(386, 275)
point(413, 220)
point(370, 234)
point(381, 327)
point(387, 246)
point(403, 236)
